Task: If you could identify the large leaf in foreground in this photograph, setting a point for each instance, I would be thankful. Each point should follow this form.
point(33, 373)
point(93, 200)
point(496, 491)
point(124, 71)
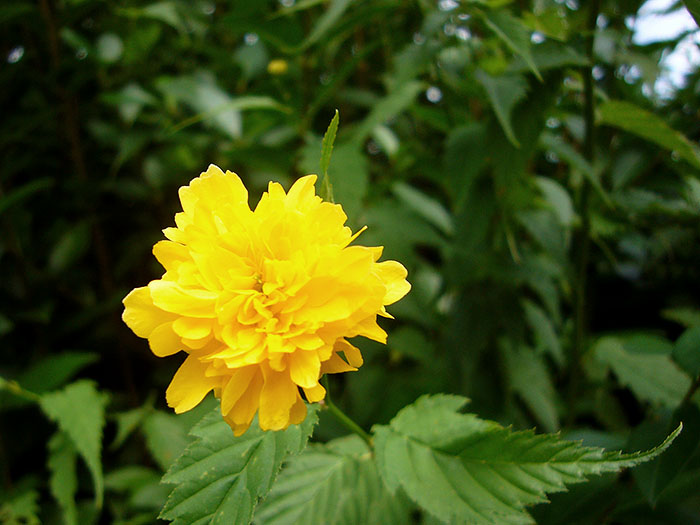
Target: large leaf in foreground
point(333, 484)
point(220, 478)
point(464, 469)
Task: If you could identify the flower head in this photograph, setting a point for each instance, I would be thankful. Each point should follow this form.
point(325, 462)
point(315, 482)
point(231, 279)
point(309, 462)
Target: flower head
point(262, 300)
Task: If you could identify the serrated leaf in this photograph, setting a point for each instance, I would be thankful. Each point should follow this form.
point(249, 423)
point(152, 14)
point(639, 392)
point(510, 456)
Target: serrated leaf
point(515, 35)
point(349, 172)
point(53, 371)
point(79, 411)
point(644, 365)
point(504, 93)
point(647, 125)
point(686, 351)
point(332, 484)
point(326, 152)
point(220, 478)
point(21, 508)
point(654, 477)
point(63, 481)
point(464, 469)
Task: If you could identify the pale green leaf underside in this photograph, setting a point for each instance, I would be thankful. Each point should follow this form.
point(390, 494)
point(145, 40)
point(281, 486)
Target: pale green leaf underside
point(79, 411)
point(332, 484)
point(464, 469)
point(220, 477)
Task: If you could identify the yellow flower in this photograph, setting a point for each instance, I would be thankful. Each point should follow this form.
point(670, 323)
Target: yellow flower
point(261, 300)
point(278, 66)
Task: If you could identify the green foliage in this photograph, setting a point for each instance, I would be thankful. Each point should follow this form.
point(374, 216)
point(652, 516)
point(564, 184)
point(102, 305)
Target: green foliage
point(462, 468)
point(220, 478)
point(326, 151)
point(644, 364)
point(335, 483)
point(79, 411)
point(62, 462)
point(529, 162)
point(636, 120)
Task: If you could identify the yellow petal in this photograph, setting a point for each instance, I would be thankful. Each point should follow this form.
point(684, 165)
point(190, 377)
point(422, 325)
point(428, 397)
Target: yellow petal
point(302, 193)
point(169, 253)
point(190, 302)
point(315, 393)
point(236, 387)
point(278, 395)
point(393, 275)
point(163, 341)
point(141, 315)
point(192, 328)
point(245, 408)
point(189, 385)
point(352, 353)
point(336, 365)
point(298, 412)
point(304, 367)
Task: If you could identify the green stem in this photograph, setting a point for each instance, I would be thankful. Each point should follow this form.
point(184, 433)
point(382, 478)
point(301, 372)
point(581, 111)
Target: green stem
point(342, 416)
point(583, 239)
point(16, 389)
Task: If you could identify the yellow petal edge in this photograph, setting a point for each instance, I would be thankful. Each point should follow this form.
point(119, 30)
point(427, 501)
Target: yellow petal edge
point(261, 300)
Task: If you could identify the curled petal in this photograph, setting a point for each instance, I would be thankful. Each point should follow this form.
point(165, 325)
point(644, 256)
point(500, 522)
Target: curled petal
point(189, 385)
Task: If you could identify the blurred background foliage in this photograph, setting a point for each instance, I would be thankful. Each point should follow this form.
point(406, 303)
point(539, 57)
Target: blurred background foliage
point(517, 156)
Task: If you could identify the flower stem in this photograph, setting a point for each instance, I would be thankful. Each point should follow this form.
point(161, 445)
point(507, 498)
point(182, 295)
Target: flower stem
point(342, 416)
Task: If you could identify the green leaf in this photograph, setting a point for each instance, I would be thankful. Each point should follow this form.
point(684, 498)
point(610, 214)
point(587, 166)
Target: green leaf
point(127, 422)
point(575, 160)
point(332, 484)
point(21, 508)
point(70, 247)
point(643, 363)
point(166, 437)
point(464, 469)
point(688, 317)
point(647, 125)
point(686, 351)
point(324, 23)
point(394, 103)
point(515, 35)
point(349, 172)
point(558, 199)
point(504, 93)
point(64, 480)
point(546, 337)
point(654, 477)
point(24, 192)
point(202, 93)
point(427, 207)
point(693, 7)
point(79, 411)
point(529, 377)
point(220, 478)
point(326, 152)
point(53, 371)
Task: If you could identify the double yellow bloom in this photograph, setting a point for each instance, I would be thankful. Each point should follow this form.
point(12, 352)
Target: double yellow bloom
point(262, 300)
